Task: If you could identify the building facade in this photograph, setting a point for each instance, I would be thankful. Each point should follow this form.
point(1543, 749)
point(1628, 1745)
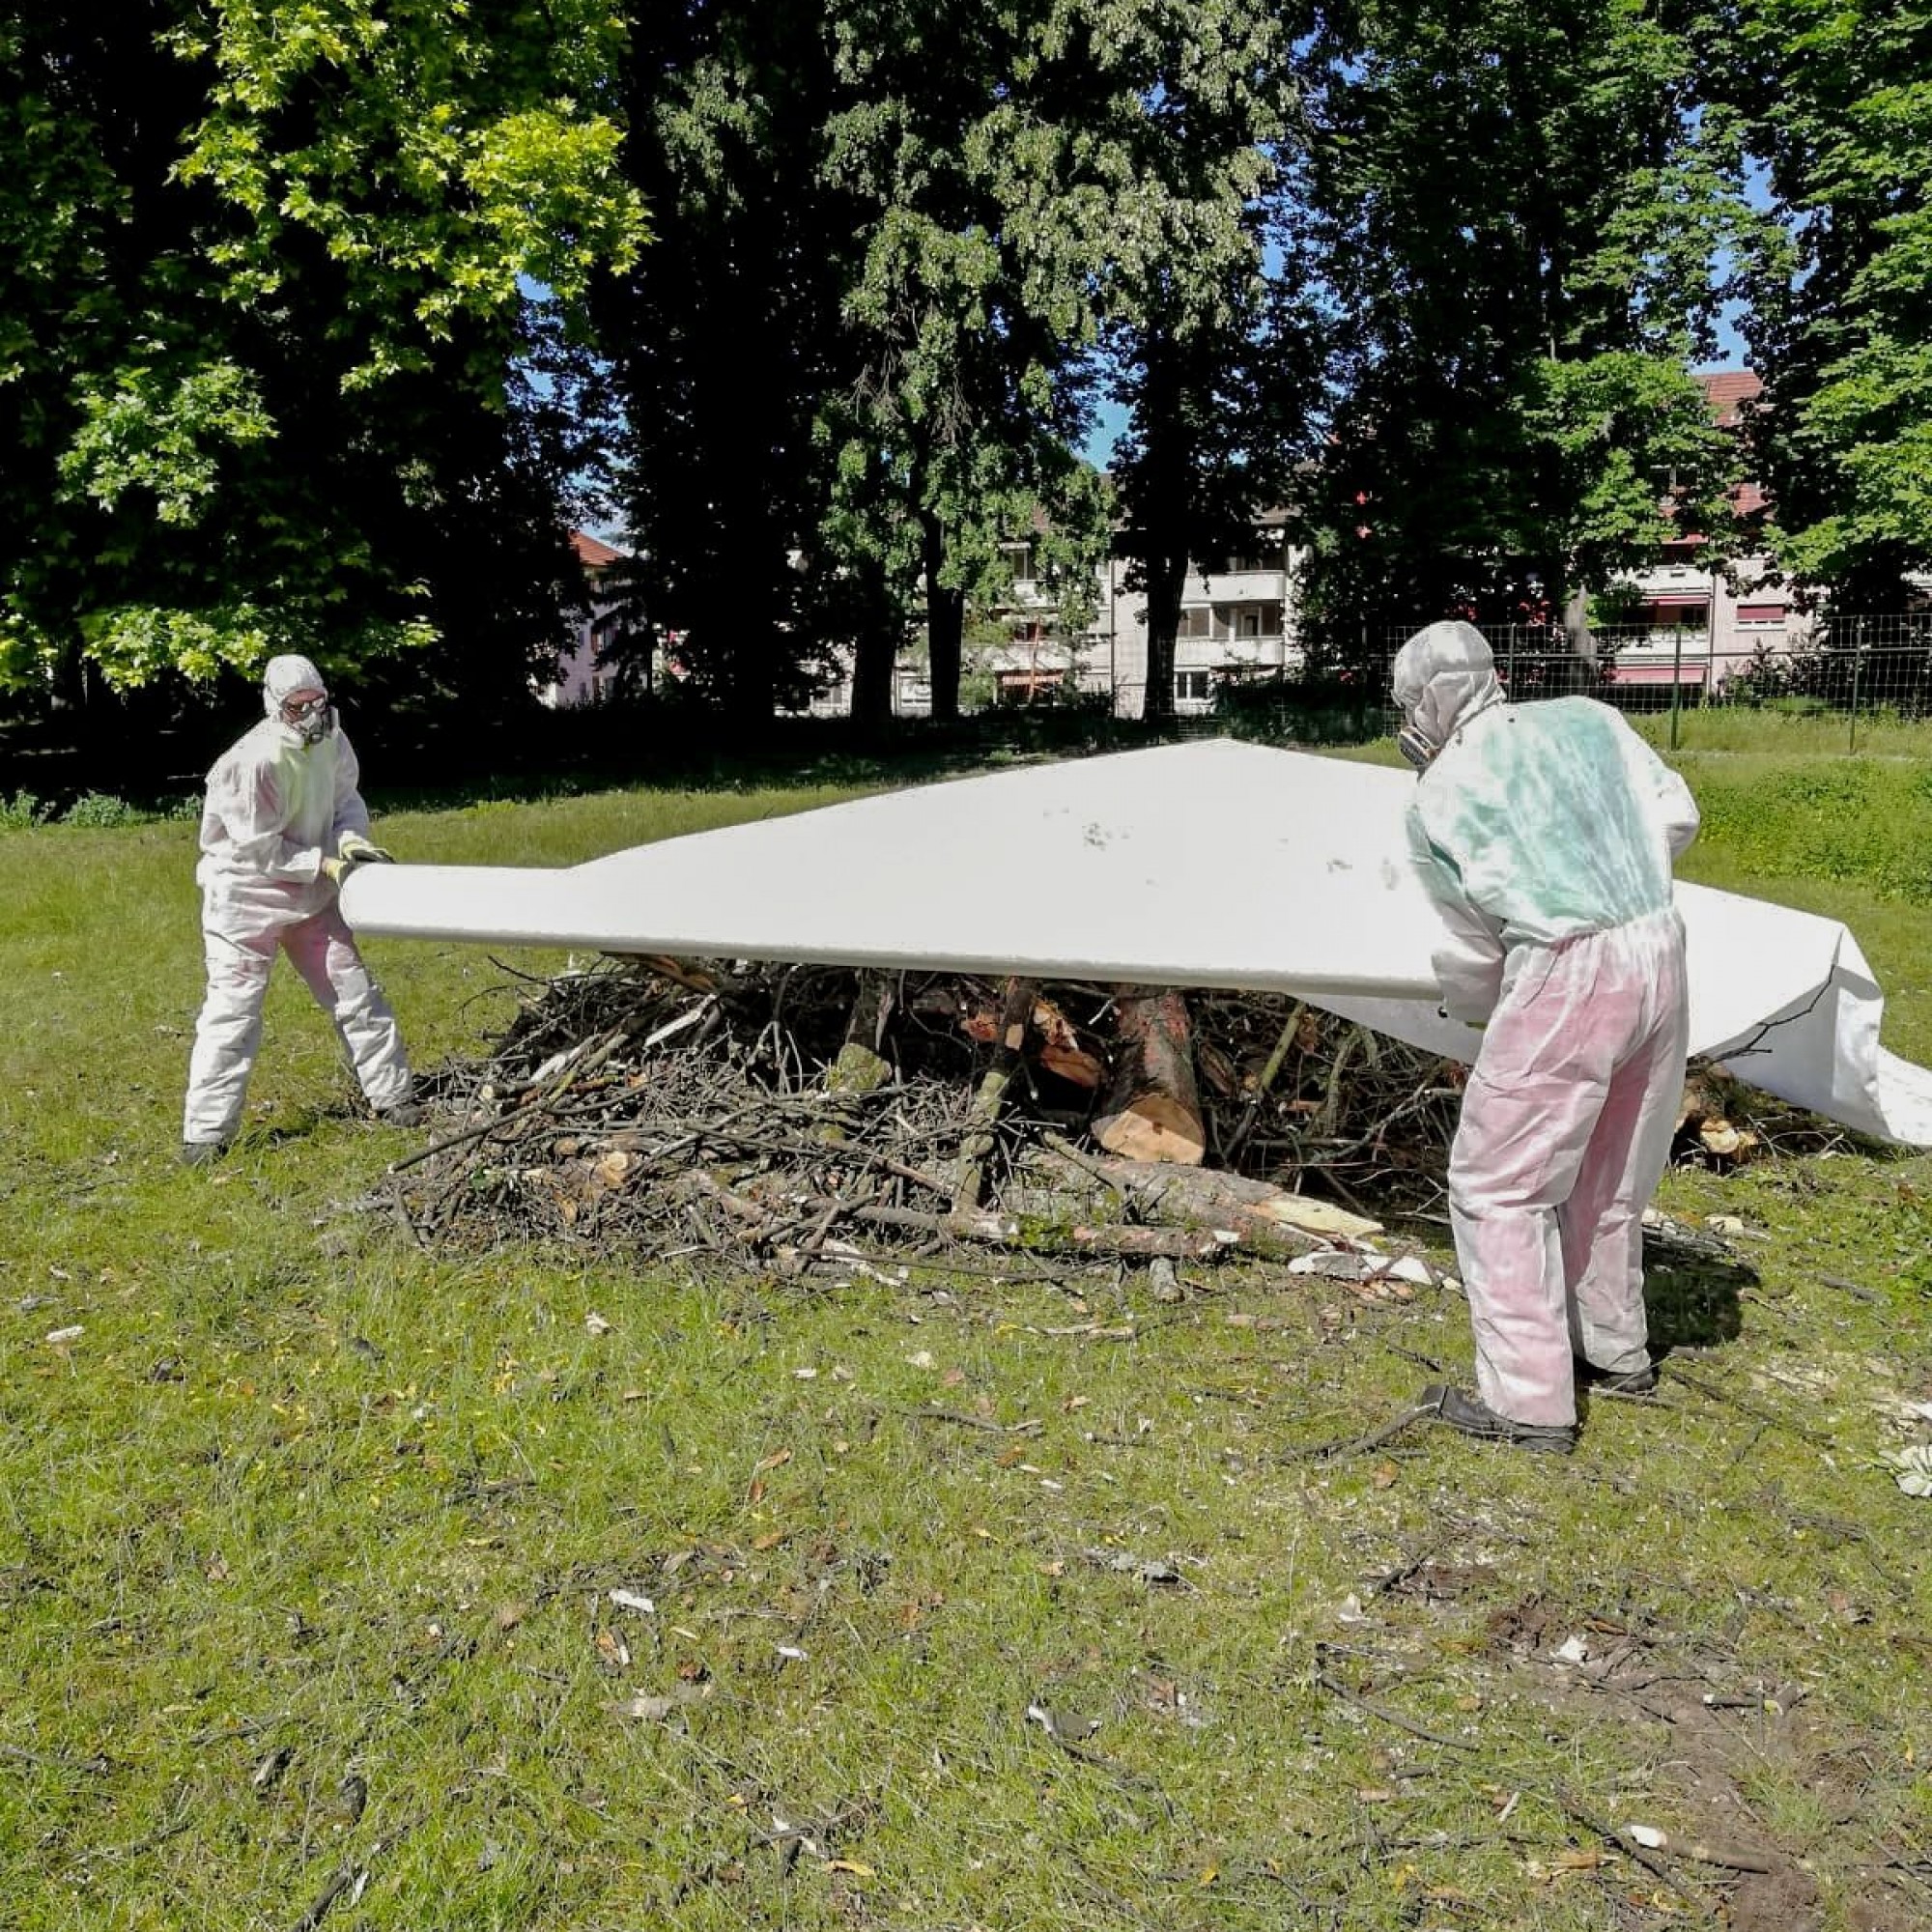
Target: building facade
point(1238, 620)
point(580, 679)
point(1702, 620)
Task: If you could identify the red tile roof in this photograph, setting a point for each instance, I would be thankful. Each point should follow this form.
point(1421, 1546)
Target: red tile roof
point(592, 554)
point(1726, 389)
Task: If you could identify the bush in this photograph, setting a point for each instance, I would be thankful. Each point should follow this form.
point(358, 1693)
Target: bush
point(1311, 707)
point(98, 808)
point(22, 809)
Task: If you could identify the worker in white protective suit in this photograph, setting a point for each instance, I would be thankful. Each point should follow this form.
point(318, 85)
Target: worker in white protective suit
point(1546, 833)
point(282, 827)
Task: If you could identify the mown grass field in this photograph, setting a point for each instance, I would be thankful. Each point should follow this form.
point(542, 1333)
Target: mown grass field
point(307, 1539)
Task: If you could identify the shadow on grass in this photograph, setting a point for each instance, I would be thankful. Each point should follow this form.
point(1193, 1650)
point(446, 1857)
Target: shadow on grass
point(1693, 1300)
point(420, 758)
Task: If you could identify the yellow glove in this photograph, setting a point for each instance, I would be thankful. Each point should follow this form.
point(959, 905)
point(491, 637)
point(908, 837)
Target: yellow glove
point(335, 870)
point(359, 851)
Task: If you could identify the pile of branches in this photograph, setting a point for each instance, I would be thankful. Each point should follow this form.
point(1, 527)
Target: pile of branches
point(780, 1115)
point(789, 1115)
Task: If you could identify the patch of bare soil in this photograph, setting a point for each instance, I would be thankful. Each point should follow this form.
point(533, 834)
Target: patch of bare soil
point(1717, 1728)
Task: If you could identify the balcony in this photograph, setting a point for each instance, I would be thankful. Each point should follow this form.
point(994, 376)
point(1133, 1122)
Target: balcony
point(1238, 586)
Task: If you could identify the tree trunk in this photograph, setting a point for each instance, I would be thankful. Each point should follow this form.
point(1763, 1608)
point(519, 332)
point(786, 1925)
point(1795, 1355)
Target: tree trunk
point(1205, 1197)
point(874, 652)
point(1576, 626)
point(860, 1068)
point(750, 648)
point(1166, 578)
point(945, 621)
point(1153, 1110)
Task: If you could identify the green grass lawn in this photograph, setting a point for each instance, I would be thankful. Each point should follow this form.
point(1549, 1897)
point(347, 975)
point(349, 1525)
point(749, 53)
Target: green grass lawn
point(307, 1537)
point(1789, 730)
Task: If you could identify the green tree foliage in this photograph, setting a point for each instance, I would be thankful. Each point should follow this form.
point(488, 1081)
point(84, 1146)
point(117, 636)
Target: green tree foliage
point(726, 341)
point(1834, 99)
point(318, 317)
point(1215, 369)
point(1514, 216)
point(275, 367)
point(961, 145)
point(852, 363)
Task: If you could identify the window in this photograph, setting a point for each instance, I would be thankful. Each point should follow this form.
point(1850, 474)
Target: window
point(1190, 687)
point(1195, 622)
point(1760, 614)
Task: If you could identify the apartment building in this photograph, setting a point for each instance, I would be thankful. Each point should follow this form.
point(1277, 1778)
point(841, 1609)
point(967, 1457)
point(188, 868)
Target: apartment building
point(1238, 620)
point(1698, 620)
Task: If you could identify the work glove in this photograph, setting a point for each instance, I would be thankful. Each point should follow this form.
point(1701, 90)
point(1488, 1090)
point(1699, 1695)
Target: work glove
point(335, 870)
point(358, 851)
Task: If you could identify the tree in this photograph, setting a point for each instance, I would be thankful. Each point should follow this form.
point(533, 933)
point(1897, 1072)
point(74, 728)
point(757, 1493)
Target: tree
point(281, 294)
point(964, 140)
point(1512, 214)
point(1835, 102)
point(1212, 367)
point(727, 340)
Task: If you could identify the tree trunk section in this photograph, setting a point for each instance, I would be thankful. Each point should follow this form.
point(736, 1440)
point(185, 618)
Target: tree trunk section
point(873, 659)
point(945, 622)
point(875, 651)
point(1166, 577)
point(1153, 1109)
point(1209, 1197)
point(1576, 626)
point(860, 1068)
point(969, 1176)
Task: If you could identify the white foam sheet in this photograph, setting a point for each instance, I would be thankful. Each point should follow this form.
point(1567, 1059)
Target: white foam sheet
point(1212, 864)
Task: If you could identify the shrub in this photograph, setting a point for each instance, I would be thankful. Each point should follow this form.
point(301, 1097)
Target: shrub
point(98, 808)
point(20, 810)
point(1309, 706)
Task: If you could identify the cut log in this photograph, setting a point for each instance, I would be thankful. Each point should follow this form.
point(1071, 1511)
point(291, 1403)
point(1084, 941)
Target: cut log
point(1710, 1096)
point(1056, 1045)
point(1058, 1049)
point(1153, 1110)
point(1207, 1197)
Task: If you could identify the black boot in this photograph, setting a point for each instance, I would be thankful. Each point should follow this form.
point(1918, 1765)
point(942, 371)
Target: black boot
point(1476, 1418)
point(1617, 1381)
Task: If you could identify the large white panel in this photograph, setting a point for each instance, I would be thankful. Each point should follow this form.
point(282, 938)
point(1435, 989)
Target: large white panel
point(1208, 865)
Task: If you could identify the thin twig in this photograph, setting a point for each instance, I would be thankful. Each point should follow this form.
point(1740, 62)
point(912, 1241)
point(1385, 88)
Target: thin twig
point(1327, 1452)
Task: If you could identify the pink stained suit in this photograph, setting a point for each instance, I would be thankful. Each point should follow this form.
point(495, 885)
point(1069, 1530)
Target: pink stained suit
point(1565, 1132)
point(1546, 833)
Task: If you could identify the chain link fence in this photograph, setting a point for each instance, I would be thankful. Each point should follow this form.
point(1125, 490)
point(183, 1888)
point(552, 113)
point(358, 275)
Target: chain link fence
point(1818, 684)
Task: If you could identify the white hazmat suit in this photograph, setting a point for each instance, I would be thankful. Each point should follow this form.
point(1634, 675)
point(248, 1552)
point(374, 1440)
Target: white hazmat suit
point(282, 819)
point(1546, 833)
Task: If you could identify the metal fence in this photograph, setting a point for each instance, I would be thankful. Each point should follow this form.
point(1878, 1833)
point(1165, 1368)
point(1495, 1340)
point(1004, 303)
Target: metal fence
point(1846, 682)
point(1854, 674)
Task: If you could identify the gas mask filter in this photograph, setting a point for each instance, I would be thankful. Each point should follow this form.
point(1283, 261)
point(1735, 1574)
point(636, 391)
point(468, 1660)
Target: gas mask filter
point(1417, 747)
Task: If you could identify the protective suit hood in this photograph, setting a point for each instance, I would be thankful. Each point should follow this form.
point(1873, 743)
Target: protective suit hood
point(284, 677)
point(1443, 677)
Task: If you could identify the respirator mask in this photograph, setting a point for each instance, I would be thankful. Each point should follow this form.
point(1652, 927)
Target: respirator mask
point(1417, 747)
point(311, 719)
